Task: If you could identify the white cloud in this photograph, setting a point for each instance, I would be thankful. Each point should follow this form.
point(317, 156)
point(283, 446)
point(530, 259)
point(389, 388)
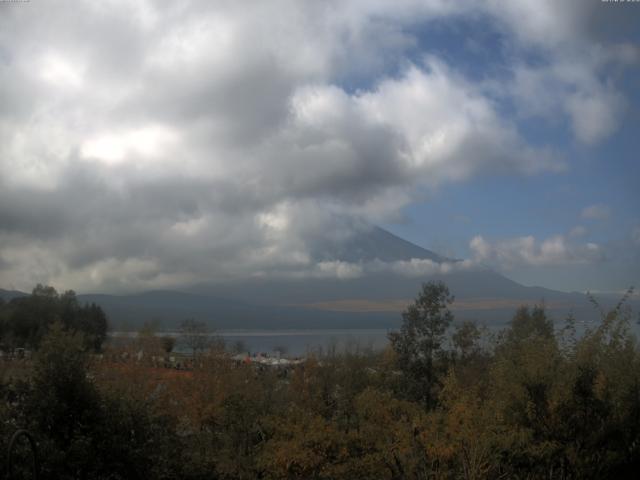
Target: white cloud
point(419, 267)
point(578, 231)
point(450, 129)
point(519, 251)
point(594, 115)
point(577, 78)
point(596, 212)
point(202, 141)
point(413, 268)
point(571, 90)
point(338, 269)
point(150, 142)
point(61, 72)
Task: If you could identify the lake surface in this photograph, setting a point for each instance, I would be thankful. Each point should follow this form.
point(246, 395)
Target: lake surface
point(301, 342)
point(291, 342)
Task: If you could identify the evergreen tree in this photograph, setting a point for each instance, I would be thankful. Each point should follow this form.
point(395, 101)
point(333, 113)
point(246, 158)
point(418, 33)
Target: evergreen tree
point(419, 343)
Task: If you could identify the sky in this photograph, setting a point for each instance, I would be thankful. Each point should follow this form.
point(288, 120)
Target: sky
point(149, 144)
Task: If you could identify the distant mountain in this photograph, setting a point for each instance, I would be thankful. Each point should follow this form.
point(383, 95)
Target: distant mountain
point(367, 245)
point(374, 300)
point(8, 295)
point(373, 243)
point(481, 293)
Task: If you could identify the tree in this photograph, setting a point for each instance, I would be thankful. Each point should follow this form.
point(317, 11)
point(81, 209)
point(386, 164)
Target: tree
point(194, 335)
point(88, 432)
point(31, 317)
point(168, 343)
point(92, 322)
point(465, 436)
point(281, 350)
point(418, 344)
point(239, 346)
point(147, 341)
point(527, 324)
point(64, 405)
point(466, 340)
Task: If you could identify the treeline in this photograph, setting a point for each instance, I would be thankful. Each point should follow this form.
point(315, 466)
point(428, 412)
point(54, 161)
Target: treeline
point(24, 321)
point(443, 401)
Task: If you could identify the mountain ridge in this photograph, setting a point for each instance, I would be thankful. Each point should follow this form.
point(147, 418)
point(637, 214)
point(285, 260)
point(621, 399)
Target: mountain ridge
point(372, 300)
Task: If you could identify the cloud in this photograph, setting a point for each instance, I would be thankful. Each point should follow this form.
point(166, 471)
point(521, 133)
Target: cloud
point(527, 251)
point(338, 269)
point(635, 235)
point(155, 146)
point(577, 78)
point(596, 212)
point(413, 268)
point(420, 267)
point(578, 231)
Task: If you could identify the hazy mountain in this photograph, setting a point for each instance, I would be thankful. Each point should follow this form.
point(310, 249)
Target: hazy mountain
point(377, 244)
point(11, 294)
point(374, 300)
point(373, 243)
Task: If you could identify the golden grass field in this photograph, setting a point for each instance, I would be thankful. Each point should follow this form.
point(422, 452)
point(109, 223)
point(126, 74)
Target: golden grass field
point(398, 305)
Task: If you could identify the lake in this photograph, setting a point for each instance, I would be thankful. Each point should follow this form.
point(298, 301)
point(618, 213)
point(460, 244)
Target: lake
point(291, 342)
point(300, 342)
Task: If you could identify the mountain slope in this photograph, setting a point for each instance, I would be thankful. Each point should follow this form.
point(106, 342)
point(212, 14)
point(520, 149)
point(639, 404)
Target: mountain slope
point(375, 243)
point(482, 293)
point(8, 295)
point(373, 300)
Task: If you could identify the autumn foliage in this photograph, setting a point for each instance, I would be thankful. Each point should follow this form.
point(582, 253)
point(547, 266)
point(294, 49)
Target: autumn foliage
point(536, 400)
